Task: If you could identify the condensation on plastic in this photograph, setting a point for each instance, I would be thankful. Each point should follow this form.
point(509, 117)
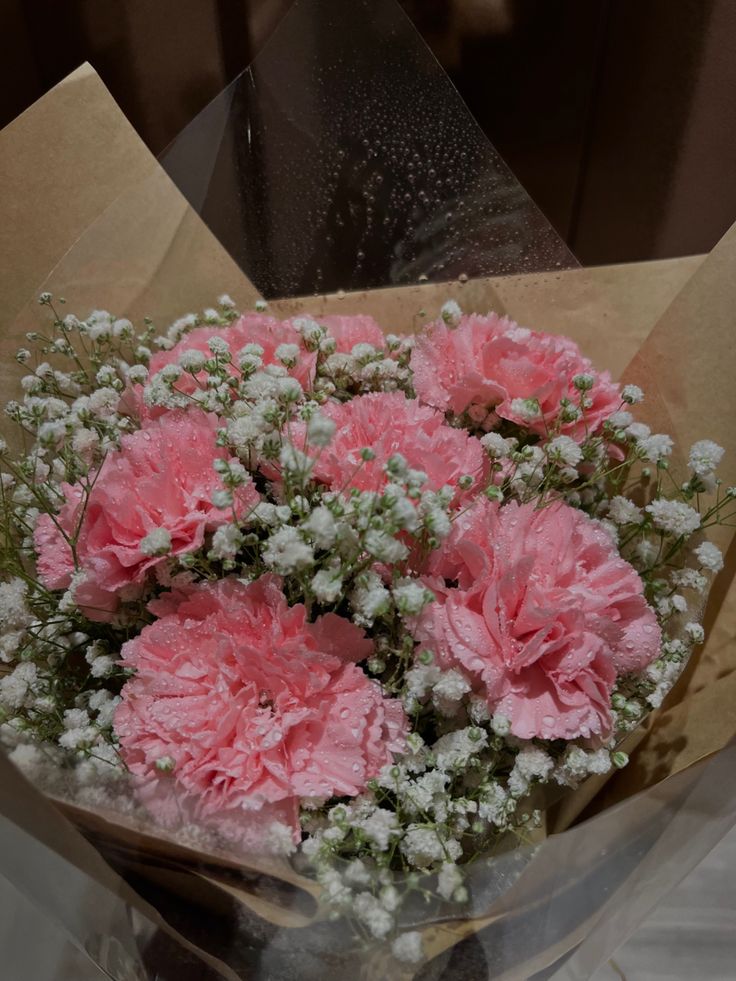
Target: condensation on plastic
point(344, 158)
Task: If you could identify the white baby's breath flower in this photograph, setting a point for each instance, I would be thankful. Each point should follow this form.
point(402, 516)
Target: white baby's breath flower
point(583, 382)
point(286, 552)
point(271, 514)
point(218, 345)
point(308, 328)
point(609, 527)
point(74, 718)
point(534, 763)
point(369, 910)
point(357, 873)
point(620, 419)
point(320, 430)
point(246, 431)
point(138, 374)
point(664, 606)
point(436, 520)
point(689, 579)
point(370, 599)
point(407, 947)
point(423, 847)
point(674, 517)
point(385, 547)
point(411, 597)
point(622, 511)
point(85, 442)
point(530, 764)
point(695, 632)
point(526, 409)
point(288, 354)
point(103, 402)
point(18, 686)
point(280, 839)
point(565, 450)
point(294, 461)
point(646, 551)
point(478, 709)
point(321, 527)
point(379, 825)
point(14, 612)
point(632, 394)
point(709, 556)
point(390, 898)
point(679, 603)
point(705, 455)
point(226, 541)
point(451, 686)
point(656, 447)
point(363, 352)
point(327, 585)
point(102, 666)
point(421, 678)
point(156, 542)
point(496, 446)
point(577, 764)
point(288, 390)
point(29, 758)
point(448, 880)
point(451, 313)
point(192, 360)
point(403, 511)
point(500, 724)
point(454, 749)
point(495, 804)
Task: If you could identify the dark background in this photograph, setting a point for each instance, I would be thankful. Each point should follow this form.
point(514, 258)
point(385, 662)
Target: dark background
point(618, 116)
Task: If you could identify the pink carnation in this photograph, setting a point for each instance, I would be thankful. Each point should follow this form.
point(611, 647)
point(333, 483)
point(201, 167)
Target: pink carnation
point(389, 423)
point(544, 617)
point(252, 328)
point(486, 362)
point(351, 330)
point(254, 706)
point(162, 477)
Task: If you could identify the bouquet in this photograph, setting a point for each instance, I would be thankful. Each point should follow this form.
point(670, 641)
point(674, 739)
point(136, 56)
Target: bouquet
point(343, 608)
point(355, 598)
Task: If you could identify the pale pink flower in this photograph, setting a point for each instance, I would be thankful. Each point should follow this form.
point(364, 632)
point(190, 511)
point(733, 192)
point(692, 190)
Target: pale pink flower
point(389, 423)
point(485, 363)
point(253, 706)
point(353, 329)
point(541, 612)
point(161, 478)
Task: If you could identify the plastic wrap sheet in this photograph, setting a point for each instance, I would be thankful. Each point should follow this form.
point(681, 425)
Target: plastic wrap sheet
point(344, 158)
point(553, 910)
